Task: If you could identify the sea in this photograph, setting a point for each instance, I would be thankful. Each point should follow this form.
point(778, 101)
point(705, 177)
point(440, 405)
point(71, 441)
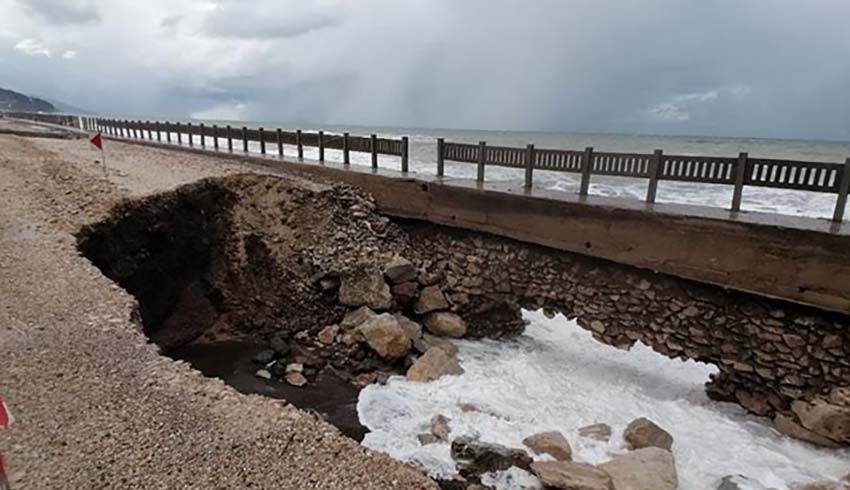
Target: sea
point(556, 377)
point(423, 157)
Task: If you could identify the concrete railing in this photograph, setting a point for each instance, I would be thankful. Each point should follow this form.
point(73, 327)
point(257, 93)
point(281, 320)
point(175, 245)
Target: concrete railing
point(739, 172)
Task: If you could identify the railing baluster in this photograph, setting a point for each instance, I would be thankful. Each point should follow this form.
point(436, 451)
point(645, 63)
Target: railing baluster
point(586, 169)
point(740, 173)
point(441, 149)
point(346, 156)
point(843, 189)
point(656, 164)
point(373, 139)
point(529, 165)
point(229, 131)
point(405, 154)
point(300, 144)
point(279, 142)
point(321, 138)
point(215, 136)
point(262, 134)
point(482, 157)
point(244, 139)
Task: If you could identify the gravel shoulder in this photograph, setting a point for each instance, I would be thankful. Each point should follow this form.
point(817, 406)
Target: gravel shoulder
point(96, 406)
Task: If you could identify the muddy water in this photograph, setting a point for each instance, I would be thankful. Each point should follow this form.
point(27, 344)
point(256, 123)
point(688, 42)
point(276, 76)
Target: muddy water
point(231, 362)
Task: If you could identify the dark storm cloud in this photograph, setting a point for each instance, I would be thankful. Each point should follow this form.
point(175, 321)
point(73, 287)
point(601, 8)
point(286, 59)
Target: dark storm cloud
point(62, 12)
point(725, 67)
point(265, 20)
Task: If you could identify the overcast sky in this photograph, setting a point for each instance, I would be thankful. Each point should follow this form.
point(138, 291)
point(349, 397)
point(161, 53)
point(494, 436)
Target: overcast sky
point(768, 68)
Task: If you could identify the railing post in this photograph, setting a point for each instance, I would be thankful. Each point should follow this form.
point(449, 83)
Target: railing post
point(121, 127)
point(150, 135)
point(843, 189)
point(137, 130)
point(229, 139)
point(529, 165)
point(740, 174)
point(373, 146)
point(262, 133)
point(482, 157)
point(215, 136)
point(441, 163)
point(405, 154)
point(279, 142)
point(346, 157)
point(656, 164)
point(321, 146)
point(300, 144)
point(168, 131)
point(203, 136)
point(586, 169)
point(189, 133)
point(244, 139)
point(179, 135)
point(158, 131)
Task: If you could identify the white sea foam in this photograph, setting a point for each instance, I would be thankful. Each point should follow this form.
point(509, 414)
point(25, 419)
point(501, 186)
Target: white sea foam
point(556, 377)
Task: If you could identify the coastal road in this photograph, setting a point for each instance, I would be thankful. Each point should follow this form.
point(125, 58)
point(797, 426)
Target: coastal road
point(96, 405)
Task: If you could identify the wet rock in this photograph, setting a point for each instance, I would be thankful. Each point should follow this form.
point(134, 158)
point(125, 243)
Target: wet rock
point(440, 427)
point(571, 476)
point(822, 485)
point(264, 356)
point(328, 334)
point(552, 443)
point(445, 324)
point(648, 468)
point(739, 482)
point(434, 364)
point(405, 292)
point(365, 288)
point(295, 367)
point(426, 438)
point(474, 457)
point(413, 329)
point(354, 319)
point(825, 419)
point(263, 374)
point(788, 426)
point(364, 379)
point(280, 345)
point(295, 379)
point(385, 336)
point(600, 432)
point(446, 345)
point(430, 299)
point(399, 270)
point(642, 432)
point(840, 396)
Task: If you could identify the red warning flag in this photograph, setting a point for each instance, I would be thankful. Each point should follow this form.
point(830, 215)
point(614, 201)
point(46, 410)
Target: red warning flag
point(97, 141)
point(6, 418)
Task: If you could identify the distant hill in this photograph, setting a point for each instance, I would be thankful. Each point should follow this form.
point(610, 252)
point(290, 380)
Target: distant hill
point(16, 102)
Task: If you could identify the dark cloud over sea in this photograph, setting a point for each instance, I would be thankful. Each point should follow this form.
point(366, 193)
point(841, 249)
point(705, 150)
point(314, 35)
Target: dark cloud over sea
point(774, 68)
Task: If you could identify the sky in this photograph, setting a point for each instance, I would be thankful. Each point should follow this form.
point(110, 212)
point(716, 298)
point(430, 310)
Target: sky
point(750, 68)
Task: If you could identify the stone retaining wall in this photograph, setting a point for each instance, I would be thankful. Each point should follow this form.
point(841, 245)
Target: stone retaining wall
point(769, 353)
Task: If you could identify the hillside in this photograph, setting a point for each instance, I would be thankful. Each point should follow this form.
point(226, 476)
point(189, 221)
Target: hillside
point(14, 101)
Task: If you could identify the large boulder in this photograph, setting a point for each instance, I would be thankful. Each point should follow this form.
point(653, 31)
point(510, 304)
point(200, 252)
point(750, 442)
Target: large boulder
point(739, 482)
point(650, 468)
point(427, 341)
point(434, 364)
point(475, 458)
point(355, 318)
point(430, 299)
point(825, 419)
point(399, 270)
point(552, 443)
point(365, 288)
point(600, 432)
point(571, 476)
point(788, 426)
point(385, 336)
point(413, 329)
point(445, 324)
point(642, 432)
